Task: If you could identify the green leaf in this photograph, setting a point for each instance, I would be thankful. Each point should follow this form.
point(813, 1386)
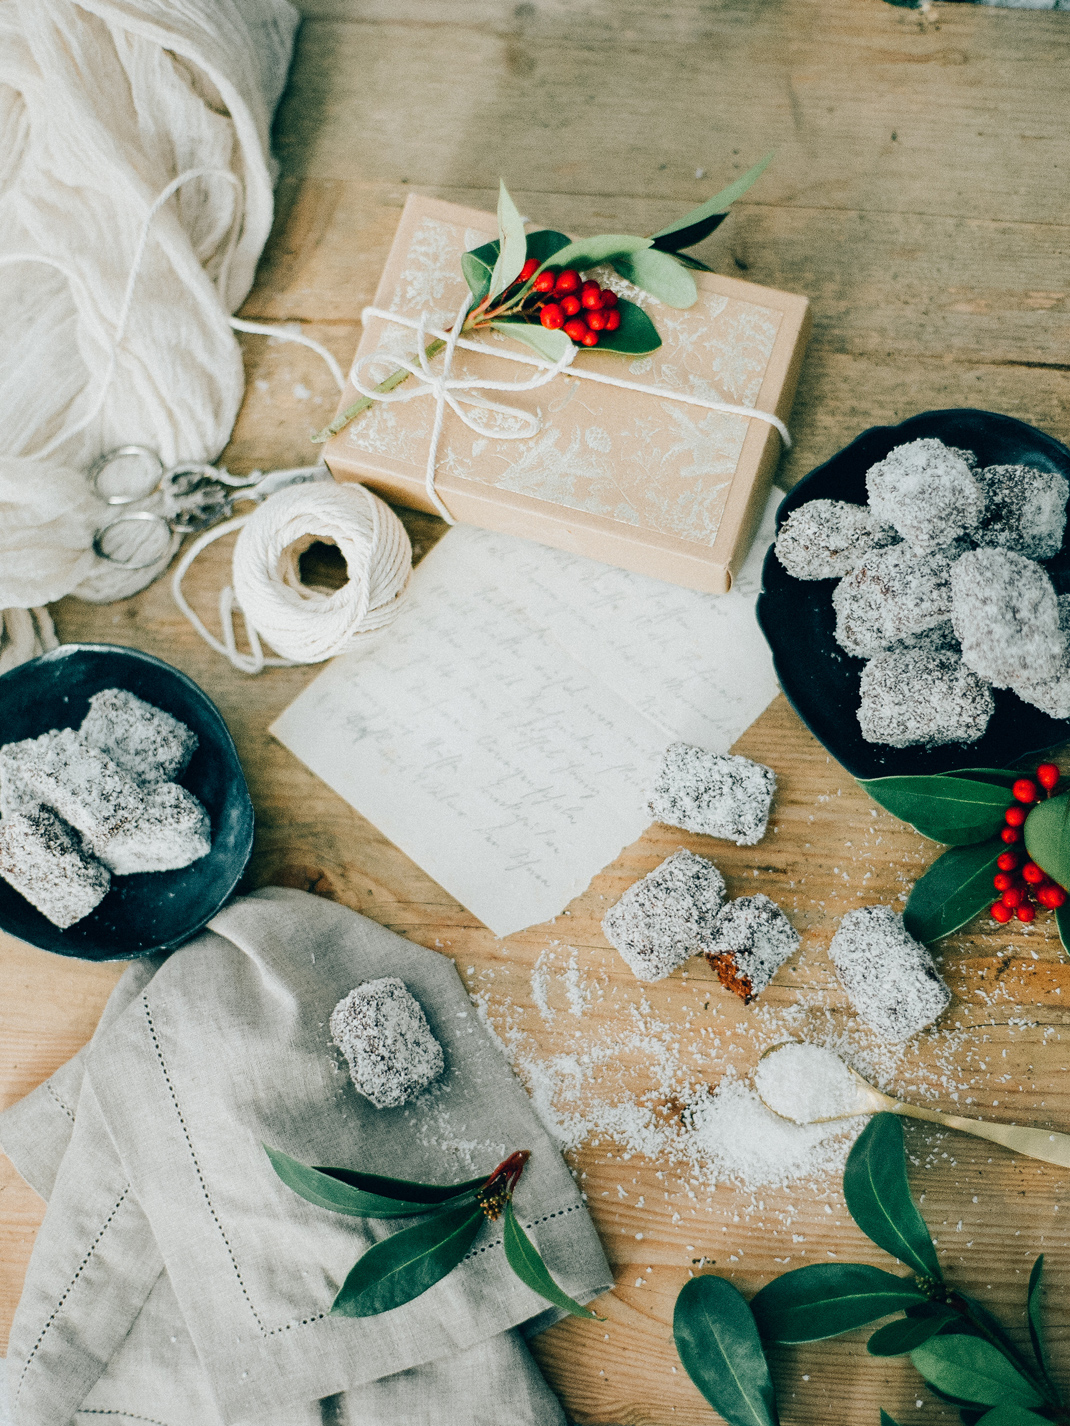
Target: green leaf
point(878, 1196)
point(827, 1299)
point(887, 1420)
point(956, 887)
point(660, 275)
point(973, 1370)
point(477, 272)
point(406, 1264)
point(1062, 922)
point(896, 1339)
point(636, 335)
point(1036, 1331)
point(513, 251)
point(692, 262)
point(1047, 837)
point(525, 1260)
point(956, 810)
point(687, 237)
point(722, 1353)
point(548, 344)
point(1000, 776)
point(478, 264)
point(1008, 1414)
point(589, 252)
point(364, 1195)
point(720, 201)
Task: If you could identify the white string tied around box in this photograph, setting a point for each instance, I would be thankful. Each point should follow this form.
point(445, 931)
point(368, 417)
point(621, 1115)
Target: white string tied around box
point(303, 623)
point(457, 392)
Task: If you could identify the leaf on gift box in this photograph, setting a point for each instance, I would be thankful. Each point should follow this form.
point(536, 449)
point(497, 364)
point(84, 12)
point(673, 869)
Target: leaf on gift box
point(636, 335)
point(718, 1343)
point(364, 1195)
point(687, 237)
point(953, 891)
point(660, 275)
point(1047, 837)
point(477, 270)
point(714, 206)
point(525, 1260)
point(899, 1338)
point(878, 1196)
point(972, 1369)
point(693, 262)
point(956, 810)
point(513, 250)
point(589, 252)
point(548, 344)
point(406, 1264)
point(828, 1299)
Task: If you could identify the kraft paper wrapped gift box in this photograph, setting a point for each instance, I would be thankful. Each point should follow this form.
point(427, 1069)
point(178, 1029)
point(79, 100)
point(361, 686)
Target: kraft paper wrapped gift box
point(635, 480)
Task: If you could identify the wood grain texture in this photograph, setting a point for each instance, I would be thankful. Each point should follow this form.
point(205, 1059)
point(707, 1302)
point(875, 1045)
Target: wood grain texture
point(919, 198)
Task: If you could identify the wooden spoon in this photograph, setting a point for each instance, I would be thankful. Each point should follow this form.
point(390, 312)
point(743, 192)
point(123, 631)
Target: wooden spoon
point(1042, 1144)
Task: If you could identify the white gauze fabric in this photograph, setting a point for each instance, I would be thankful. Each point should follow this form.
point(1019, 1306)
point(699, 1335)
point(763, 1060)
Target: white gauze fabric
point(114, 322)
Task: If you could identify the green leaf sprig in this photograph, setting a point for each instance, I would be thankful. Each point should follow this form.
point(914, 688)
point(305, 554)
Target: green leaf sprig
point(960, 1349)
point(501, 277)
point(967, 810)
point(407, 1263)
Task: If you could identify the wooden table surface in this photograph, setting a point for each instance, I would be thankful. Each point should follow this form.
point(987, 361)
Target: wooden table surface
point(919, 198)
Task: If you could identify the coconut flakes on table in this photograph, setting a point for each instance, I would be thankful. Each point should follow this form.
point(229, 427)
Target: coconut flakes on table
point(917, 697)
point(716, 794)
point(1025, 510)
point(667, 917)
point(825, 539)
point(928, 492)
point(892, 595)
point(1006, 617)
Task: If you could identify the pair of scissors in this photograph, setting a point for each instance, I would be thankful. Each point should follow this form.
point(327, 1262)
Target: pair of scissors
point(192, 496)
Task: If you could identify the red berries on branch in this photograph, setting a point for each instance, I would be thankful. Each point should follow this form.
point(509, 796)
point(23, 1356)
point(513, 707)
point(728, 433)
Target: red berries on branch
point(582, 309)
point(1020, 880)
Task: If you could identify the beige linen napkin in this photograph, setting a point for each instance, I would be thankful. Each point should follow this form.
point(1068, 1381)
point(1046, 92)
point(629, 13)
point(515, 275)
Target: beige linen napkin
point(176, 1280)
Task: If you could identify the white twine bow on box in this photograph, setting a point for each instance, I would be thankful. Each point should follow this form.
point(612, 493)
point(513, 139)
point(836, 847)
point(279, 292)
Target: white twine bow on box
point(458, 392)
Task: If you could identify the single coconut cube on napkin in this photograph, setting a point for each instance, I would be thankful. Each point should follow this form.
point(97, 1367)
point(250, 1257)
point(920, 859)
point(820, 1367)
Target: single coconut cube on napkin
point(892, 595)
point(1006, 616)
point(889, 977)
point(666, 917)
point(751, 940)
point(825, 539)
point(921, 697)
point(44, 861)
point(1025, 510)
point(928, 492)
point(145, 742)
point(720, 795)
point(383, 1032)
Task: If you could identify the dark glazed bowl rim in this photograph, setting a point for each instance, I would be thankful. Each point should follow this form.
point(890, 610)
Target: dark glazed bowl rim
point(796, 616)
point(196, 898)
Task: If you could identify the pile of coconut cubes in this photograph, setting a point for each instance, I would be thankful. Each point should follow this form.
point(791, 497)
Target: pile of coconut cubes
point(942, 590)
point(79, 806)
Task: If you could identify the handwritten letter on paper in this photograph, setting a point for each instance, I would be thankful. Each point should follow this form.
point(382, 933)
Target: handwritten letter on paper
point(503, 731)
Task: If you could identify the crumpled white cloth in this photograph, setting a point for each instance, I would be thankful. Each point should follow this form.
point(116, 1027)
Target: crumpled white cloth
point(103, 104)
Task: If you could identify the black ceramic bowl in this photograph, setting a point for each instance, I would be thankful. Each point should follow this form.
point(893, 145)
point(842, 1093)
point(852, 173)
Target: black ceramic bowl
point(152, 911)
point(797, 618)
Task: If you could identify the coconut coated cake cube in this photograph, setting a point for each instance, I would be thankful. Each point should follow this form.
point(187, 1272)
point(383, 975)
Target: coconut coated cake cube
point(44, 860)
point(15, 795)
point(891, 595)
point(920, 697)
point(77, 781)
point(717, 794)
point(751, 940)
point(928, 492)
point(889, 977)
point(145, 742)
point(1050, 695)
point(825, 539)
point(1006, 617)
point(666, 917)
point(1025, 510)
point(172, 831)
point(383, 1032)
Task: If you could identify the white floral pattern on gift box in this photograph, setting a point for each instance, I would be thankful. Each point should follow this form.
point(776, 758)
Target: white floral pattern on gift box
point(642, 461)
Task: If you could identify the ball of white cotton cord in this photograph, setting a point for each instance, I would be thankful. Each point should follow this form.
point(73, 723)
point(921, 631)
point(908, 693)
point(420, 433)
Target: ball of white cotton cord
point(309, 624)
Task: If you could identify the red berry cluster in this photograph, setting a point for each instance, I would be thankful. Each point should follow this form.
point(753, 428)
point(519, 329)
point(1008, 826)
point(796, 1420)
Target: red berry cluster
point(582, 309)
point(1019, 884)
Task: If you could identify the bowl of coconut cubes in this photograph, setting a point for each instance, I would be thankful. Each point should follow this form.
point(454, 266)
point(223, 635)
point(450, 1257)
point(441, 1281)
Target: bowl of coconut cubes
point(125, 819)
point(917, 596)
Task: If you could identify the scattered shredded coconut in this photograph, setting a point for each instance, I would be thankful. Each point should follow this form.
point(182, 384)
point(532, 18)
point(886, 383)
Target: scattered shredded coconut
point(383, 1032)
point(806, 1083)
